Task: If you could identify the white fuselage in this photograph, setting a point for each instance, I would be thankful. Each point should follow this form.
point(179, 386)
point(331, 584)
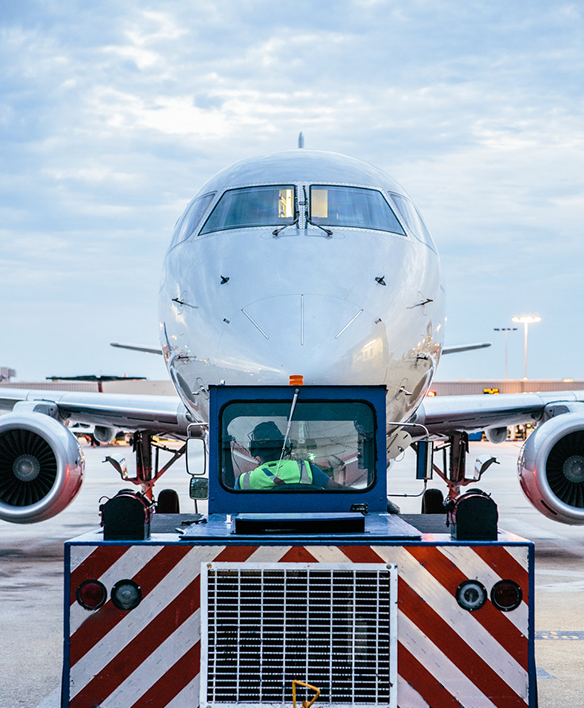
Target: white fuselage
point(245, 306)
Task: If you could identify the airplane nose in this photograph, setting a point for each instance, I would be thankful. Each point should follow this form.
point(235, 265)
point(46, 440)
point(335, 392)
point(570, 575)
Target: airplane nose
point(302, 319)
point(299, 334)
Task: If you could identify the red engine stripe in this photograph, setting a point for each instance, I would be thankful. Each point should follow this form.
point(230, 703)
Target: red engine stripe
point(505, 566)
point(298, 554)
point(140, 648)
point(173, 681)
point(427, 685)
point(94, 566)
point(361, 554)
point(493, 620)
point(105, 619)
point(456, 649)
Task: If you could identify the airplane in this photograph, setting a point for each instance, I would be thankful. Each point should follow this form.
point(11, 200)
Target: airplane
point(306, 264)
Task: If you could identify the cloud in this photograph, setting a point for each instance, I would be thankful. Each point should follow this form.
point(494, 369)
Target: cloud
point(113, 114)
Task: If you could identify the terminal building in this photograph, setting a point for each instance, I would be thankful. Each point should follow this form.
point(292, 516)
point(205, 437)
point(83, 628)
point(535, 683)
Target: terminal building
point(473, 386)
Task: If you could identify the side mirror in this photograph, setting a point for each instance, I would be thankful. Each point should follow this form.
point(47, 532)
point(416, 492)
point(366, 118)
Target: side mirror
point(199, 488)
point(425, 460)
point(196, 457)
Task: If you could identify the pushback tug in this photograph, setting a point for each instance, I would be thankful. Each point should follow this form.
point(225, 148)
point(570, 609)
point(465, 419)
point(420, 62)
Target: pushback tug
point(298, 588)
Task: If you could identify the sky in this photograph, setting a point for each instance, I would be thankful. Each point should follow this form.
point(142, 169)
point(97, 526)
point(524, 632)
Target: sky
point(113, 114)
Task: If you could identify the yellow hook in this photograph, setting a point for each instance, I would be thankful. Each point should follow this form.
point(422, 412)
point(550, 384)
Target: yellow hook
point(305, 704)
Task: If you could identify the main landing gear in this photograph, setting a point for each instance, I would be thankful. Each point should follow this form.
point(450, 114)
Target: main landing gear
point(147, 447)
point(453, 471)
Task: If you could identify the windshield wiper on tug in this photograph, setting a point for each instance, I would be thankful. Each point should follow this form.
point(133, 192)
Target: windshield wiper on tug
point(287, 429)
point(328, 232)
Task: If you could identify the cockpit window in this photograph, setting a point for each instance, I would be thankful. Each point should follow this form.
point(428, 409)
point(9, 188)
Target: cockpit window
point(252, 206)
point(330, 446)
point(413, 220)
point(354, 207)
point(191, 218)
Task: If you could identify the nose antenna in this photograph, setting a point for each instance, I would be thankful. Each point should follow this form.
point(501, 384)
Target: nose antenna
point(300, 140)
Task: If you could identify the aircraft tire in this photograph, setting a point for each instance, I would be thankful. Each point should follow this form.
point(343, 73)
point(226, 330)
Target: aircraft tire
point(168, 502)
point(433, 502)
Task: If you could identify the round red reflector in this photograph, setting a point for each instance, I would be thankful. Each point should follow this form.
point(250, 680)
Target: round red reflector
point(91, 594)
point(506, 595)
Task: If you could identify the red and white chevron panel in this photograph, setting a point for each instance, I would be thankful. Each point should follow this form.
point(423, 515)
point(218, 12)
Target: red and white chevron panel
point(150, 656)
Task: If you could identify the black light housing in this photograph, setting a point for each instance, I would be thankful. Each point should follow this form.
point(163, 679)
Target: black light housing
point(506, 595)
point(471, 595)
point(126, 595)
point(91, 594)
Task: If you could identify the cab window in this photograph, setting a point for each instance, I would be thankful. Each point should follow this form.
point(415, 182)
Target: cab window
point(319, 446)
point(191, 218)
point(354, 207)
point(252, 206)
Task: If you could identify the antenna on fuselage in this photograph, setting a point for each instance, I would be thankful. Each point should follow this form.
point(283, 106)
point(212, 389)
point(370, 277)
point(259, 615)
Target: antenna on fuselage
point(300, 140)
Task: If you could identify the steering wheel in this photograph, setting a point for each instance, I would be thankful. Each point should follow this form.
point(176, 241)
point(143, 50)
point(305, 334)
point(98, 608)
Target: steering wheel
point(297, 486)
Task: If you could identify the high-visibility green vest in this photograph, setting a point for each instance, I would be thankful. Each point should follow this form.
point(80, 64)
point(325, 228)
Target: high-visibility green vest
point(264, 476)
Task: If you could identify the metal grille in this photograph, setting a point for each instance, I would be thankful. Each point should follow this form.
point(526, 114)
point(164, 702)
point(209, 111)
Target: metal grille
point(330, 625)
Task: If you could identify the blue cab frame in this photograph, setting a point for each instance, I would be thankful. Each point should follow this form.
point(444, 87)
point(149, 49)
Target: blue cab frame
point(225, 501)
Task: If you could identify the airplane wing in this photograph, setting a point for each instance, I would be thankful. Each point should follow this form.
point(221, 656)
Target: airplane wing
point(138, 348)
point(551, 464)
point(155, 414)
point(443, 415)
point(44, 455)
point(42, 465)
point(460, 348)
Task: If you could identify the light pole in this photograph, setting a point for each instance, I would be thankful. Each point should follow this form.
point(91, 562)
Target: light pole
point(506, 330)
point(526, 320)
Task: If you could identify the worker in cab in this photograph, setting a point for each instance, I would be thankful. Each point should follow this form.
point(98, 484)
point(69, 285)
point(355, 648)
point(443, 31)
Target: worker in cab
point(267, 446)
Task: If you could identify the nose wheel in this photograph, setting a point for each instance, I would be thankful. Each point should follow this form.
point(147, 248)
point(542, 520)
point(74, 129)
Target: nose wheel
point(433, 502)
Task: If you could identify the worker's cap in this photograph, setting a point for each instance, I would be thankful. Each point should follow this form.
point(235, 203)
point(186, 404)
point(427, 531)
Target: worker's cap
point(265, 436)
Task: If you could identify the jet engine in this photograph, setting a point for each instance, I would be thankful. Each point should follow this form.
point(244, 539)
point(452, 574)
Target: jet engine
point(104, 434)
point(551, 468)
point(41, 467)
point(496, 435)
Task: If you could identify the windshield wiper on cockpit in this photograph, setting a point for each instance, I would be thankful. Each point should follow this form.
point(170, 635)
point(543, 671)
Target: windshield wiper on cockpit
point(328, 232)
point(276, 232)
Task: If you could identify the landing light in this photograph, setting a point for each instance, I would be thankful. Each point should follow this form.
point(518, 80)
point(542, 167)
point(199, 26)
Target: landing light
point(471, 595)
point(126, 595)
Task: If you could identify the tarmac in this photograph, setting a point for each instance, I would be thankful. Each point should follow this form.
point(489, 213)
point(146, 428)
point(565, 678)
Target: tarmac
point(31, 578)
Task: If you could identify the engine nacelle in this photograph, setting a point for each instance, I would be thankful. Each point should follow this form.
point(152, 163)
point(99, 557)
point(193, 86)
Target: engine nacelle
point(496, 435)
point(41, 467)
point(104, 434)
point(551, 468)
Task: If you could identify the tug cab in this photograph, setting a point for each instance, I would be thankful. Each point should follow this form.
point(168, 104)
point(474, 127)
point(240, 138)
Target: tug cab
point(335, 434)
